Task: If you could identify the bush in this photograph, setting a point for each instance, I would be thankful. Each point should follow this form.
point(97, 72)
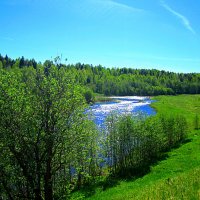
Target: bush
point(89, 96)
point(134, 143)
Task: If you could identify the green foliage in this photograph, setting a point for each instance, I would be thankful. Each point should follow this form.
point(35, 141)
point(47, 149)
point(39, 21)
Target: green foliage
point(89, 96)
point(1, 65)
point(174, 128)
point(134, 144)
point(120, 81)
point(176, 176)
point(47, 145)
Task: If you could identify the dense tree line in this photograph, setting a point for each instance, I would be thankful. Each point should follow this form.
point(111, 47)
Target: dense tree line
point(128, 81)
point(120, 81)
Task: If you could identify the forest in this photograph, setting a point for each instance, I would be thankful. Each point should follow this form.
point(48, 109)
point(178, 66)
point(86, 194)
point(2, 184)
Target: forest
point(48, 146)
point(119, 81)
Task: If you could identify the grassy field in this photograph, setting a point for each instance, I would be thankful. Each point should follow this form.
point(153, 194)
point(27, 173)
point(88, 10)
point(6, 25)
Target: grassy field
point(176, 176)
point(187, 105)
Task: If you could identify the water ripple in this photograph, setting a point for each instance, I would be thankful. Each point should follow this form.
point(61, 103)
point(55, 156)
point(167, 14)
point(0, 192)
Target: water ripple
point(123, 105)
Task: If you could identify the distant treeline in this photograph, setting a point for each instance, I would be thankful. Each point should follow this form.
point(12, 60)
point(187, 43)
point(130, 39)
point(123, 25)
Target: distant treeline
point(120, 81)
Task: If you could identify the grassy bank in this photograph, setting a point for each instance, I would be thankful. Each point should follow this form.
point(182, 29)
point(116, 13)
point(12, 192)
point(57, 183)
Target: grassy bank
point(101, 98)
point(175, 177)
point(186, 105)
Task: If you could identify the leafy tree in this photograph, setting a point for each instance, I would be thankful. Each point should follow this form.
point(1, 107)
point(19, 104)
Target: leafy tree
point(43, 143)
point(1, 65)
point(89, 96)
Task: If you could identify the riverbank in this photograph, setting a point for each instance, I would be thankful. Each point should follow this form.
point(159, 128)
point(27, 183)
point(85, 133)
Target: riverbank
point(174, 177)
point(186, 105)
point(102, 98)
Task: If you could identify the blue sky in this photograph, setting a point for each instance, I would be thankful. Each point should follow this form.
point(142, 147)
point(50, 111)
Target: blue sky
point(161, 34)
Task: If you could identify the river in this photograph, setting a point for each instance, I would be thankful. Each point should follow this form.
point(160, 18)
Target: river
point(128, 104)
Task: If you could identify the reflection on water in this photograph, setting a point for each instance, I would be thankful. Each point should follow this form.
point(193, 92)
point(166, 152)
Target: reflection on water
point(122, 105)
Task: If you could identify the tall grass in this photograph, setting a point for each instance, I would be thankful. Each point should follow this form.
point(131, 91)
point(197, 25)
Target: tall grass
point(184, 186)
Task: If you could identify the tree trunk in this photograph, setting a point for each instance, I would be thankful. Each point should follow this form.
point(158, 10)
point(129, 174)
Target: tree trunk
point(38, 194)
point(48, 186)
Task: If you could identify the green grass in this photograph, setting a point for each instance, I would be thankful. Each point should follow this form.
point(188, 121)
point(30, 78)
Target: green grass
point(186, 105)
point(184, 186)
point(101, 98)
point(176, 177)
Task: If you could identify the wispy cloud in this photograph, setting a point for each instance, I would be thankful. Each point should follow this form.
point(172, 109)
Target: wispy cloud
point(183, 19)
point(114, 4)
point(123, 6)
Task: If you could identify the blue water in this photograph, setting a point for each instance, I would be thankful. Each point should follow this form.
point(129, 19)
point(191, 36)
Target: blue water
point(146, 109)
point(99, 111)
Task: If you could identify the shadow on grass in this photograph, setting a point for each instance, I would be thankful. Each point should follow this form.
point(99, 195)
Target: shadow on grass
point(176, 146)
point(128, 175)
point(103, 184)
point(187, 140)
